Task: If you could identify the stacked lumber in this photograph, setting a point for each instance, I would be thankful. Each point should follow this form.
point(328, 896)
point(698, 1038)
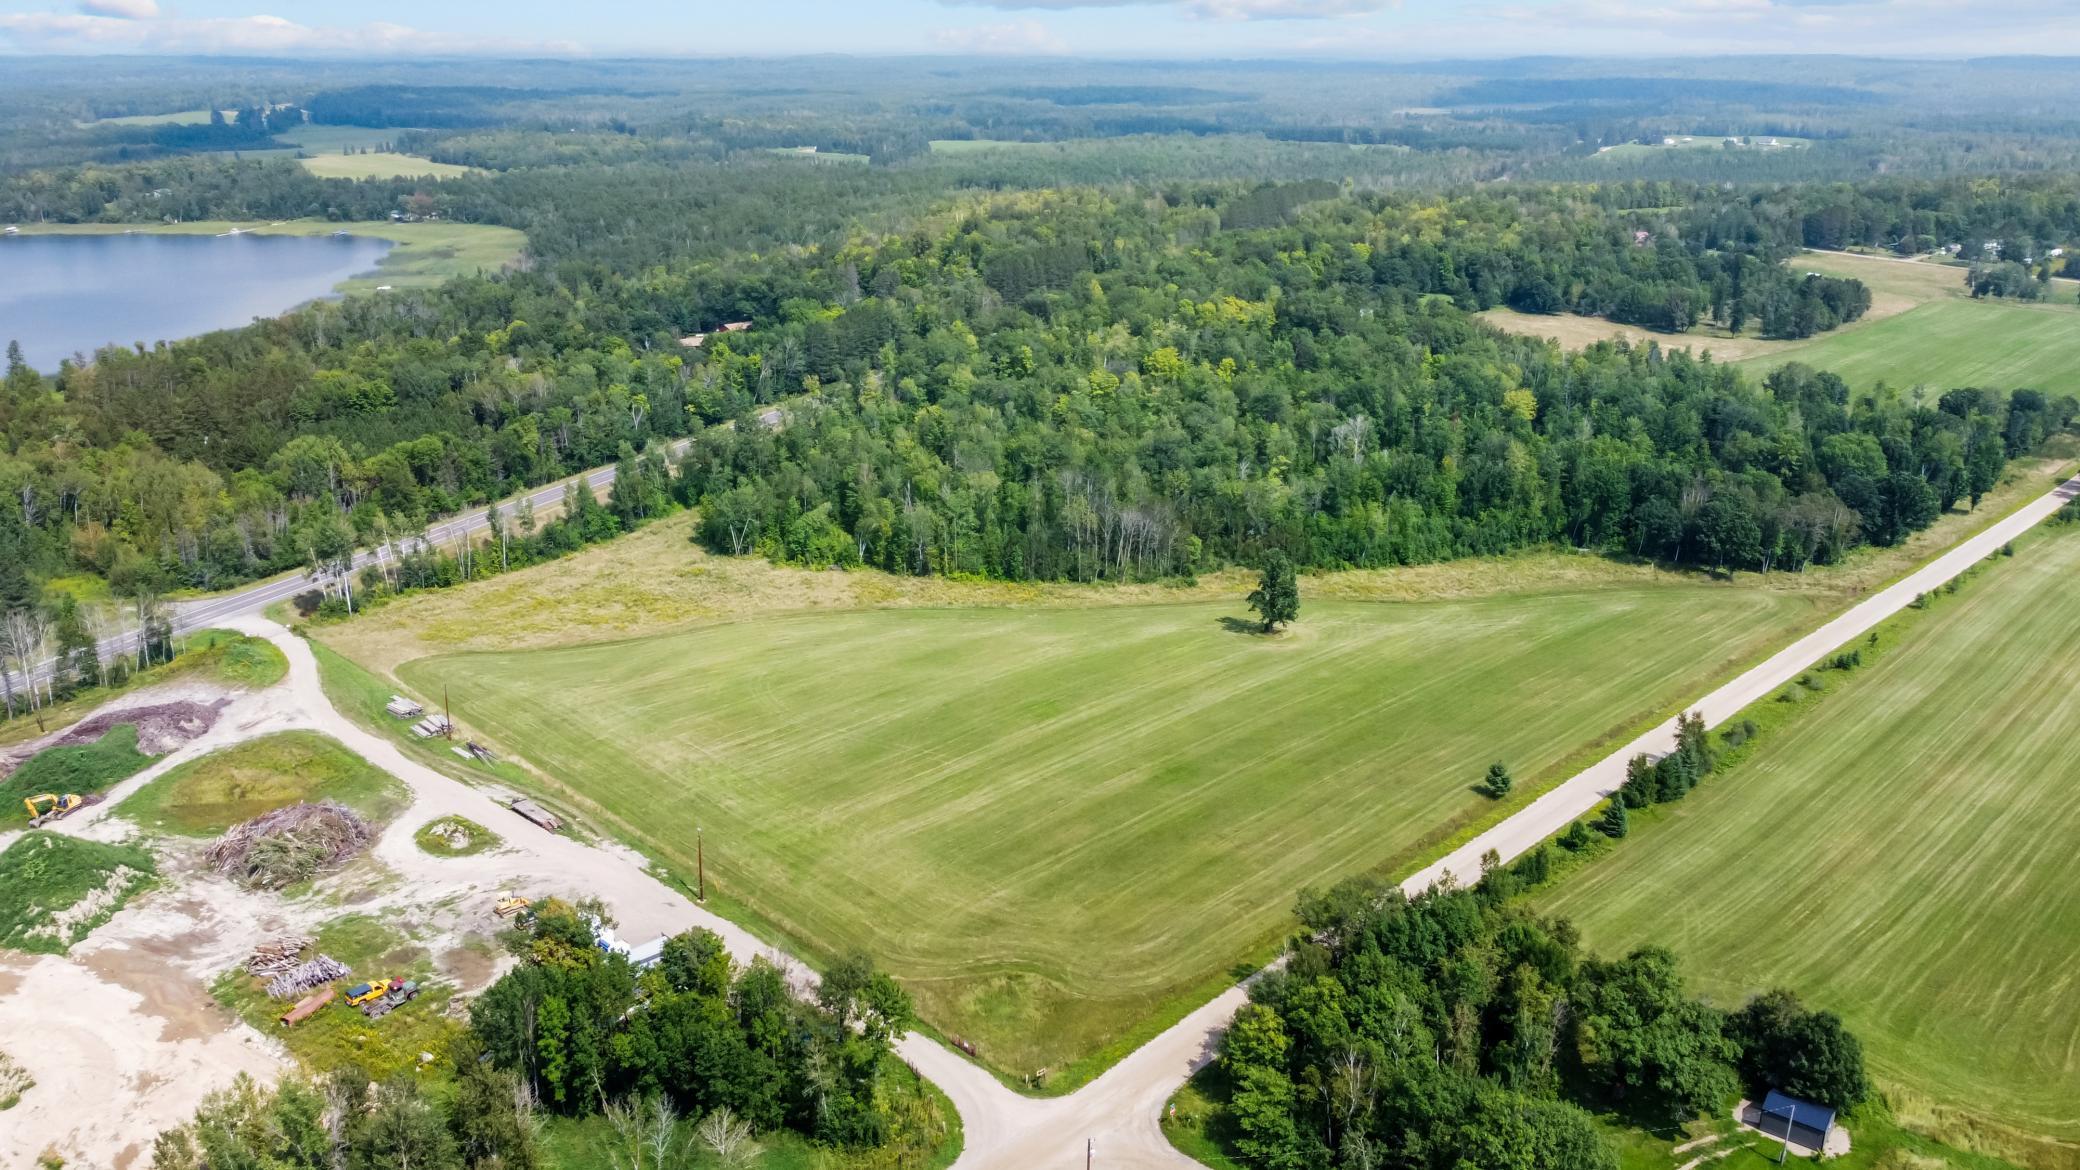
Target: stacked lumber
point(282, 954)
point(302, 978)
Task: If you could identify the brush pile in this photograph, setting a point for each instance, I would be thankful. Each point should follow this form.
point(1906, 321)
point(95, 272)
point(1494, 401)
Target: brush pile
point(290, 845)
point(283, 954)
point(293, 983)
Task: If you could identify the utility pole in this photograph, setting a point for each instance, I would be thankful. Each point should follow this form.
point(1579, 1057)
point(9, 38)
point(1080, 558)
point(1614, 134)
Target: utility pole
point(700, 861)
point(447, 714)
point(1090, 1152)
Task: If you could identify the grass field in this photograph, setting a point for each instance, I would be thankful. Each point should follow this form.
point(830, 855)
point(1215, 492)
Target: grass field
point(1901, 854)
point(177, 118)
point(55, 890)
point(313, 138)
point(84, 768)
point(1049, 822)
point(207, 796)
point(426, 254)
point(383, 165)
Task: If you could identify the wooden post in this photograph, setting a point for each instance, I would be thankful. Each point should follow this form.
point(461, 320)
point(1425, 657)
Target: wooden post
point(700, 855)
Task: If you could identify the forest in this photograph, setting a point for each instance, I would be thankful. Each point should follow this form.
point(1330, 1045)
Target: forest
point(1064, 384)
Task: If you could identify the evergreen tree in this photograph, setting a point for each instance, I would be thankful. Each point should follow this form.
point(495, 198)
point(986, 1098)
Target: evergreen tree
point(1614, 822)
point(1497, 783)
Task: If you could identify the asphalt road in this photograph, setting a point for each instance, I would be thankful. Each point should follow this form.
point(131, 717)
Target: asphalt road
point(203, 613)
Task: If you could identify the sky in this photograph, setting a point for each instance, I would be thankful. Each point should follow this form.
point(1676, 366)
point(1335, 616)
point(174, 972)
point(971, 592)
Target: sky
point(1385, 29)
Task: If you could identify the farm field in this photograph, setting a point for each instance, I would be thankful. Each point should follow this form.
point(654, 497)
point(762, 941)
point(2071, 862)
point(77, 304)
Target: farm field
point(382, 165)
point(1901, 855)
point(427, 254)
point(1053, 822)
point(1922, 330)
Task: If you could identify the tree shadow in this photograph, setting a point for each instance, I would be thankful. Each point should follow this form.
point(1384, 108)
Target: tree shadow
point(1236, 625)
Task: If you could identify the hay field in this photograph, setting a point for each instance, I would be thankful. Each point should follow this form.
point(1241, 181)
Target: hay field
point(1903, 855)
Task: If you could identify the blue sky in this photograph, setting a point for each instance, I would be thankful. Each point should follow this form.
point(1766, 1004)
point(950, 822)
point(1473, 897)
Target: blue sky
point(1391, 29)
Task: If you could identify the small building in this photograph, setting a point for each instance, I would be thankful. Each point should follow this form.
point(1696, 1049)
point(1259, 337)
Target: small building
point(646, 955)
point(535, 813)
point(1641, 239)
point(1804, 1123)
point(736, 326)
point(693, 341)
point(404, 708)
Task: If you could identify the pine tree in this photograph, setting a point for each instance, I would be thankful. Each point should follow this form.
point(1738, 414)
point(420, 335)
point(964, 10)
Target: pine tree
point(1615, 821)
point(1497, 783)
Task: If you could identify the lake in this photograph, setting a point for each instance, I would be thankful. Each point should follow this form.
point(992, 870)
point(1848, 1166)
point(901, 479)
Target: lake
point(61, 295)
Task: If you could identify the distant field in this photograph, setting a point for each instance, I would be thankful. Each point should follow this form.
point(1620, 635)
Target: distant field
point(177, 118)
point(837, 156)
point(317, 139)
point(1759, 144)
point(970, 145)
point(426, 254)
point(1901, 854)
point(384, 165)
point(1923, 330)
point(1052, 822)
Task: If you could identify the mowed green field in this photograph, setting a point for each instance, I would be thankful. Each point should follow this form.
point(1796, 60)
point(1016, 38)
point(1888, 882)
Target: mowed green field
point(1947, 340)
point(1053, 823)
point(1903, 855)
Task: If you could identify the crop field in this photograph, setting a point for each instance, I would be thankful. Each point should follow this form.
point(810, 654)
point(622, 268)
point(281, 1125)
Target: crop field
point(382, 165)
point(1054, 822)
point(1901, 854)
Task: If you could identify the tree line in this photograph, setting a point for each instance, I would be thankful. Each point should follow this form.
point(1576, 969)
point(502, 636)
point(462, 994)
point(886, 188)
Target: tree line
point(693, 1055)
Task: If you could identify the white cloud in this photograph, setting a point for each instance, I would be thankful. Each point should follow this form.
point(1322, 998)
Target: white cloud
point(121, 9)
point(61, 32)
point(1208, 9)
point(1011, 36)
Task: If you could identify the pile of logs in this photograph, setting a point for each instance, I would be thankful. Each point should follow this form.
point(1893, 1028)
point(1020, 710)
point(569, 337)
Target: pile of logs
point(273, 958)
point(293, 983)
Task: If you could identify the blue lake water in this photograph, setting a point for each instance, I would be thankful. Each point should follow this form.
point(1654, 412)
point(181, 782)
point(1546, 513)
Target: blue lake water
point(62, 295)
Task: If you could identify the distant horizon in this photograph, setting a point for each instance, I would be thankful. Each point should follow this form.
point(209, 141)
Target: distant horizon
point(1357, 31)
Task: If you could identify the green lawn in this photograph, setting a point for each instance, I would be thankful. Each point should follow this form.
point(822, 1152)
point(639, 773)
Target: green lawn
point(207, 796)
point(55, 890)
point(383, 165)
point(427, 254)
point(1052, 824)
point(1901, 854)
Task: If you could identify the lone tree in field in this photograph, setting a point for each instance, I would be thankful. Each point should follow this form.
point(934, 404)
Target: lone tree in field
point(1277, 596)
point(1498, 781)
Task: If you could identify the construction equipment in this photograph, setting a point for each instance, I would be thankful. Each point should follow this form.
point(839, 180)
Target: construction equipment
point(362, 993)
point(60, 806)
point(307, 1007)
point(507, 907)
point(399, 992)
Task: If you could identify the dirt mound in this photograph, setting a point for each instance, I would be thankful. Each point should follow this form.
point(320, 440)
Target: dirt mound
point(161, 728)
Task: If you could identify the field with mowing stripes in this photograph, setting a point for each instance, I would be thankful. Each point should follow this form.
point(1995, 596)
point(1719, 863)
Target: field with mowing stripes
point(1904, 855)
point(1054, 823)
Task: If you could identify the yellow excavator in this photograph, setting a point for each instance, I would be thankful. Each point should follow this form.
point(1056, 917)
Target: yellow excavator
point(60, 807)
